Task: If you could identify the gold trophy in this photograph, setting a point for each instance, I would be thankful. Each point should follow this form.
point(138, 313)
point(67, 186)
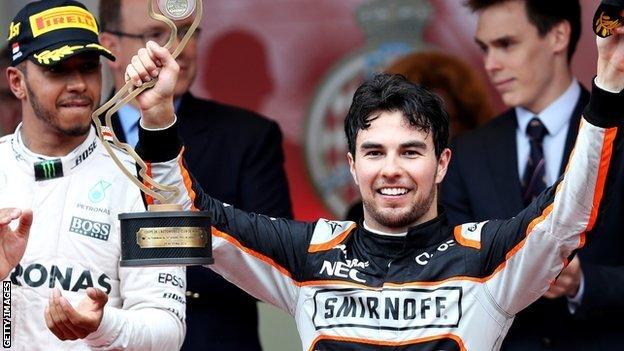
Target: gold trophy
point(164, 235)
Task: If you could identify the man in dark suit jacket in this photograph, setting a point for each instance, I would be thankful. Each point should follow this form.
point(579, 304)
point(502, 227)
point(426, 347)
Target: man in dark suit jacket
point(236, 155)
point(527, 47)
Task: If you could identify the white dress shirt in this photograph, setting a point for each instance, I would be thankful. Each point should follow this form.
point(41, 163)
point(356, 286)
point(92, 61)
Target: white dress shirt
point(556, 118)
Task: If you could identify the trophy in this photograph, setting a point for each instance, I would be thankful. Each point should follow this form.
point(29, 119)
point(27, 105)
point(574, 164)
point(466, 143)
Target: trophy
point(164, 235)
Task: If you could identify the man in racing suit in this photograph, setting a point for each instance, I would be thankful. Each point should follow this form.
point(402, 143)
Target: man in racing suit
point(76, 193)
point(404, 279)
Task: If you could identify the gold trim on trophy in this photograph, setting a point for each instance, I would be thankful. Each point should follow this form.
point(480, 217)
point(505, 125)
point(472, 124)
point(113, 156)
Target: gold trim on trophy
point(164, 235)
point(127, 93)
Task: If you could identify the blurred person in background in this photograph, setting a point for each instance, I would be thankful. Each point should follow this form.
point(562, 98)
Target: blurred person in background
point(10, 110)
point(497, 169)
point(235, 154)
point(461, 88)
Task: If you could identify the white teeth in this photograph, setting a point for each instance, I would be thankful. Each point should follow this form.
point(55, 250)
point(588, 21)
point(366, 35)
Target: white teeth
point(393, 191)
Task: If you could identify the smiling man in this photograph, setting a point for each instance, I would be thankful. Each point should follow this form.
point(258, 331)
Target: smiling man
point(398, 162)
point(405, 279)
point(68, 291)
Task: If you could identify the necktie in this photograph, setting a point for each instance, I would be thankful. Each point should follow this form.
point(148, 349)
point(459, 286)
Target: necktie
point(533, 182)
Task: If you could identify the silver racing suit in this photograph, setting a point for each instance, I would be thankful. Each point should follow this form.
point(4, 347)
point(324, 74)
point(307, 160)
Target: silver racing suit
point(74, 244)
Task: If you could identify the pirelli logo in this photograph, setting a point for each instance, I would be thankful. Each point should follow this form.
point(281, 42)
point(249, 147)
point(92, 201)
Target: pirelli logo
point(388, 309)
point(62, 18)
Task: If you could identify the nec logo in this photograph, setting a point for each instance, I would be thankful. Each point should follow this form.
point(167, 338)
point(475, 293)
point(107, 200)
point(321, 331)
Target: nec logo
point(347, 269)
point(89, 228)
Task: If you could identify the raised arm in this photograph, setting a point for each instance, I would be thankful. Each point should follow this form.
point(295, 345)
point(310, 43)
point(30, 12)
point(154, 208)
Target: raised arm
point(524, 255)
point(260, 254)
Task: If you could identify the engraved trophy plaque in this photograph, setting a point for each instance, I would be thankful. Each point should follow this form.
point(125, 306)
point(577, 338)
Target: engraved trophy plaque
point(164, 235)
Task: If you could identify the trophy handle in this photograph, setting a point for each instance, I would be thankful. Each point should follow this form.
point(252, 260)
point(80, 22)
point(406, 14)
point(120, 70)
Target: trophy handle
point(125, 94)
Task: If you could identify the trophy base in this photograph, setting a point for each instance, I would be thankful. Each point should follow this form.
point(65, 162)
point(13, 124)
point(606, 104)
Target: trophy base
point(165, 238)
point(158, 262)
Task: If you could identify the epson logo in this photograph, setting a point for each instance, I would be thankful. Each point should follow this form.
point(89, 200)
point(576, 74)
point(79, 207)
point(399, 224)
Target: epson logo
point(36, 275)
point(89, 228)
point(174, 280)
point(388, 309)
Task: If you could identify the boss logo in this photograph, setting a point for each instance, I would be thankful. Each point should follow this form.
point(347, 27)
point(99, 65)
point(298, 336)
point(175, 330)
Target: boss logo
point(89, 228)
point(85, 154)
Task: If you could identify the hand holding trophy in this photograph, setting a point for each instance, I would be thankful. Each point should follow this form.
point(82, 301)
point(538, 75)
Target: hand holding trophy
point(165, 235)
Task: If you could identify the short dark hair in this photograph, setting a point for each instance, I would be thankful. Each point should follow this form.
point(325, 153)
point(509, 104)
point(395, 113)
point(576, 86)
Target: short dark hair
point(386, 92)
point(544, 15)
point(110, 14)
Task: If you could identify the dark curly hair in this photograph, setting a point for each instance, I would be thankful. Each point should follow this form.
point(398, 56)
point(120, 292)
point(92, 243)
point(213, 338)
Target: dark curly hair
point(393, 92)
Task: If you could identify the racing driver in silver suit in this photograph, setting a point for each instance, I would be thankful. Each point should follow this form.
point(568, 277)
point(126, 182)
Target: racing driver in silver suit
point(68, 291)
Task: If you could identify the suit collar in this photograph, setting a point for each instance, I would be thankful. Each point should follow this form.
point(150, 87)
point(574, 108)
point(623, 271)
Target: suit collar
point(552, 115)
point(432, 232)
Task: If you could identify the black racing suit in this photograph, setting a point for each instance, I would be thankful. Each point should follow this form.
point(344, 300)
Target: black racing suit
point(438, 288)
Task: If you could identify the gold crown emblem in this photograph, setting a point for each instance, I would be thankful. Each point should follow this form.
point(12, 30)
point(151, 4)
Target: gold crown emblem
point(605, 26)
